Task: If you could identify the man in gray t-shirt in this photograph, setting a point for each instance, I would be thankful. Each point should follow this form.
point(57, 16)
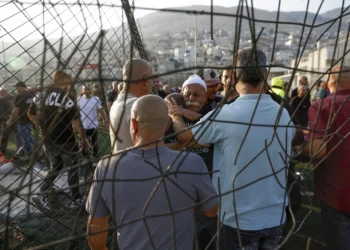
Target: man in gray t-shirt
point(149, 203)
point(135, 74)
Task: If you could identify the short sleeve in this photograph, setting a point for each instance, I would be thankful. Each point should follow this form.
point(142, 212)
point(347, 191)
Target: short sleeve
point(98, 103)
point(95, 204)
point(33, 106)
point(207, 196)
point(205, 131)
point(73, 111)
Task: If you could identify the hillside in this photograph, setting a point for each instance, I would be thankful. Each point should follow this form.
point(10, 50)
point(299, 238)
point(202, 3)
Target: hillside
point(159, 21)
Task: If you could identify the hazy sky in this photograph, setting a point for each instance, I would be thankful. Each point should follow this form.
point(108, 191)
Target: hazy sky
point(15, 21)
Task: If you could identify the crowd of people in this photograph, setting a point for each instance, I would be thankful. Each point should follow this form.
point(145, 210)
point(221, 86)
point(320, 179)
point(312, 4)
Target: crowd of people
point(203, 166)
point(245, 133)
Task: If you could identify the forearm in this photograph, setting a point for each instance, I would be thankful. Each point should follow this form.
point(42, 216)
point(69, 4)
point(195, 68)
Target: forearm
point(180, 126)
point(33, 119)
point(316, 148)
point(97, 230)
point(191, 115)
point(14, 115)
point(102, 115)
point(79, 128)
point(109, 105)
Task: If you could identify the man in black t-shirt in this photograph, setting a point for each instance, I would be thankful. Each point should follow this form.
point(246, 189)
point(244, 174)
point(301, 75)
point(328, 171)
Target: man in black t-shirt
point(302, 110)
point(228, 80)
point(302, 82)
point(19, 113)
point(58, 114)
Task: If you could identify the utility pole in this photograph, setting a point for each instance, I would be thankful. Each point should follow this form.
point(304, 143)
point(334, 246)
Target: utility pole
point(3, 53)
point(195, 42)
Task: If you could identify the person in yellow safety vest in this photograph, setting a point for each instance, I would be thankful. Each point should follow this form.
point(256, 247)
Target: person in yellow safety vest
point(277, 86)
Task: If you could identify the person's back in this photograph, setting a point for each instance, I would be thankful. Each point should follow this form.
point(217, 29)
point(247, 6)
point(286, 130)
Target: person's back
point(332, 177)
point(130, 198)
point(259, 204)
point(120, 121)
point(329, 147)
point(149, 191)
point(55, 124)
point(251, 147)
point(134, 73)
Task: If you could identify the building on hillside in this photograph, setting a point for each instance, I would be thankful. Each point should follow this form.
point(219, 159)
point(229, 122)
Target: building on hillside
point(320, 59)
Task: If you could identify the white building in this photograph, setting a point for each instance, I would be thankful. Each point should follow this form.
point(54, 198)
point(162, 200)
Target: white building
point(321, 59)
point(185, 52)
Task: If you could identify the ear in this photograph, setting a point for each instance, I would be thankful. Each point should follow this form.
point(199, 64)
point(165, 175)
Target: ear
point(266, 87)
point(265, 74)
point(233, 80)
point(134, 126)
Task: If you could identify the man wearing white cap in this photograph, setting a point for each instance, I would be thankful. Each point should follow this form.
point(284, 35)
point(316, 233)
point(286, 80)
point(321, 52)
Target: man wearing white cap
point(194, 91)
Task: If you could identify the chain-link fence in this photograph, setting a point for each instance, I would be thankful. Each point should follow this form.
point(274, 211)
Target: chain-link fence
point(88, 43)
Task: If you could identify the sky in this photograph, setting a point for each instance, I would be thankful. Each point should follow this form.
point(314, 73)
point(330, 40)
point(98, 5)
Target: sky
point(14, 24)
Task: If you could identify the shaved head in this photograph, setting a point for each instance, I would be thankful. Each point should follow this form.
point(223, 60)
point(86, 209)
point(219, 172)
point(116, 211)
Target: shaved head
point(151, 114)
point(136, 69)
point(179, 99)
point(338, 74)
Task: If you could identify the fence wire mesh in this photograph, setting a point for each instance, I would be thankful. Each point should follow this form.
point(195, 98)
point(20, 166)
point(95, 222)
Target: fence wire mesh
point(82, 39)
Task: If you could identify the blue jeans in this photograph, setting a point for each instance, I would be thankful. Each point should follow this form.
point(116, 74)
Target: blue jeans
point(336, 227)
point(264, 239)
point(25, 131)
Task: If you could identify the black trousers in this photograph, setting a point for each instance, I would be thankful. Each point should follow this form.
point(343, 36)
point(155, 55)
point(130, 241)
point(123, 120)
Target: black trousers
point(91, 135)
point(60, 156)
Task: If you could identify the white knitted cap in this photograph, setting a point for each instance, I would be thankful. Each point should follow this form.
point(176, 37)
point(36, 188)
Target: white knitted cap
point(195, 79)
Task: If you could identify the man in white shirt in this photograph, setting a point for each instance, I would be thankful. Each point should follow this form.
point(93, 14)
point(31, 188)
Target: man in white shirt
point(137, 83)
point(90, 106)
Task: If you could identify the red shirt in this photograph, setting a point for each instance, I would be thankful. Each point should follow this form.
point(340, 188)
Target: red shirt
point(332, 177)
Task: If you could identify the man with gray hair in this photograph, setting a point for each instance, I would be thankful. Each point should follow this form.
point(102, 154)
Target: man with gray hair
point(303, 81)
point(252, 160)
point(137, 75)
point(146, 214)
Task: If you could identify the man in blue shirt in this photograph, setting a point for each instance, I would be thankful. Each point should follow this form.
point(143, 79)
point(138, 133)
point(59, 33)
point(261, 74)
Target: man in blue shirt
point(252, 160)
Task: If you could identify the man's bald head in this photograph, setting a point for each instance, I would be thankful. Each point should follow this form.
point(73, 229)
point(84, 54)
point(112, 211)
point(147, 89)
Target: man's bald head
point(149, 115)
point(136, 69)
point(137, 75)
point(339, 75)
